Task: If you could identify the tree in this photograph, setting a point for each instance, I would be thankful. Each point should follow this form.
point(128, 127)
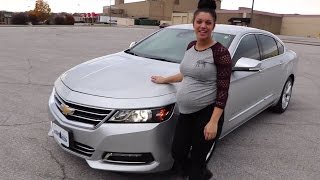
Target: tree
point(59, 20)
point(19, 19)
point(42, 10)
point(64, 19)
point(33, 18)
point(69, 19)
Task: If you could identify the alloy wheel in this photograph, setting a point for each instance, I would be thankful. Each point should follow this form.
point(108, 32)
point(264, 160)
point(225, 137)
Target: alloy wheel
point(286, 95)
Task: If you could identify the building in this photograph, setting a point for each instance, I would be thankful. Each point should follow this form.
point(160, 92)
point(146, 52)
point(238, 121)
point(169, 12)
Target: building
point(262, 20)
point(5, 17)
point(181, 12)
point(301, 25)
point(86, 17)
point(284, 24)
point(152, 9)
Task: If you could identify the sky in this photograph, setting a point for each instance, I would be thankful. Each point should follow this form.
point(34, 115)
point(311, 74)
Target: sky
point(71, 6)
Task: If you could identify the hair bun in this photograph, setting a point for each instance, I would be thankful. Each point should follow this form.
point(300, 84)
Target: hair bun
point(207, 4)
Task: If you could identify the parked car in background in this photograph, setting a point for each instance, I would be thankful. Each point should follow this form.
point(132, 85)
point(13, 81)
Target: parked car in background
point(108, 112)
point(163, 25)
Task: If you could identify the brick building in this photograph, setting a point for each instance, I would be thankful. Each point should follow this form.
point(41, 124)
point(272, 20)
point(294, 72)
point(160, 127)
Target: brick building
point(152, 9)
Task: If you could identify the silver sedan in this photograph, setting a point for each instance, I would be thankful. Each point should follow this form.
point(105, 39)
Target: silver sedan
point(108, 112)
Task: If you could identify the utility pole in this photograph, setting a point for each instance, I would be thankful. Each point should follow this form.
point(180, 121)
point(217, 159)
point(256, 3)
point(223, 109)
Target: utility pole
point(251, 20)
point(110, 13)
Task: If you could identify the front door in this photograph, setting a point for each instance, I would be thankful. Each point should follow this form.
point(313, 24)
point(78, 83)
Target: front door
point(245, 93)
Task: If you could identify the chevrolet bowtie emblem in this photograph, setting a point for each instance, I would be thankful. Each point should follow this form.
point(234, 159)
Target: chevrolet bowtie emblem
point(66, 110)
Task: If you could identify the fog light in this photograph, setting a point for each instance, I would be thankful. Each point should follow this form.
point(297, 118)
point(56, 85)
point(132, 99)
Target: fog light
point(128, 158)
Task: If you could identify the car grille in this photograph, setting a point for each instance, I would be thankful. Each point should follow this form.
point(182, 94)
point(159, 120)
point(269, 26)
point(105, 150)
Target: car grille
point(80, 149)
point(80, 113)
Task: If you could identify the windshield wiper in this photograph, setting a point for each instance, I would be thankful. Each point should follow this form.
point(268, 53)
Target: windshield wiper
point(160, 59)
point(130, 52)
point(150, 57)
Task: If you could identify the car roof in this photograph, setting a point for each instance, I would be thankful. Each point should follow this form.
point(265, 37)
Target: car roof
point(224, 28)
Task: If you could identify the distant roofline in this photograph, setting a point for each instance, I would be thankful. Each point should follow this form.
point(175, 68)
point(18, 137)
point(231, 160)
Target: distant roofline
point(138, 2)
point(223, 28)
point(248, 11)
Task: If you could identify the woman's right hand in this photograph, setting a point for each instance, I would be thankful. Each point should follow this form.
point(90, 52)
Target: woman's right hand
point(158, 79)
point(167, 80)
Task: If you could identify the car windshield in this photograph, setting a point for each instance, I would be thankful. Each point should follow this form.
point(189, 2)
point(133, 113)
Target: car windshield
point(170, 44)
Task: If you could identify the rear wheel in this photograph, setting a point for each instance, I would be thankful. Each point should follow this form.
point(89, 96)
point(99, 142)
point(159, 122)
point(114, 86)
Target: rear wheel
point(284, 100)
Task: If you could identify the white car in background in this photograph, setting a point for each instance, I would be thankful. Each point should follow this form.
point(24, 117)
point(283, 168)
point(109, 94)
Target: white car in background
point(108, 112)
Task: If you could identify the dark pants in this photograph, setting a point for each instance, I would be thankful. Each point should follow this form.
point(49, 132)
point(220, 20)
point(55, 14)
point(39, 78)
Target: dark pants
point(190, 132)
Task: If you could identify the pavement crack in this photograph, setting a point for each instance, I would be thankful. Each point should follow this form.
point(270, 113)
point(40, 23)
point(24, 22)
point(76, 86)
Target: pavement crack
point(24, 124)
point(43, 85)
point(61, 166)
point(26, 84)
point(29, 82)
point(29, 70)
point(6, 119)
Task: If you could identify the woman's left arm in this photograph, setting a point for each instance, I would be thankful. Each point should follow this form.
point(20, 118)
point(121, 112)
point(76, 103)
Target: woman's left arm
point(223, 63)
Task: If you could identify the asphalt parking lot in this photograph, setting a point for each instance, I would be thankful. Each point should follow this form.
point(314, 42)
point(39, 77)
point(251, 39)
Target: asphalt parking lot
point(270, 146)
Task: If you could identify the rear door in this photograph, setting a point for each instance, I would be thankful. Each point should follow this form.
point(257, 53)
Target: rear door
point(272, 67)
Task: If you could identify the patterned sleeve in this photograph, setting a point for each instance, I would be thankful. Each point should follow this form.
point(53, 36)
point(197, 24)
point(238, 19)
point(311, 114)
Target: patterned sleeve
point(191, 44)
point(223, 62)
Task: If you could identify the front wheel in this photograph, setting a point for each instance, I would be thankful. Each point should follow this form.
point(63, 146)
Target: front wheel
point(284, 100)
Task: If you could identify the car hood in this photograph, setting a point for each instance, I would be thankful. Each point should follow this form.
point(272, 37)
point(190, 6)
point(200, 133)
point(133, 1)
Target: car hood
point(120, 75)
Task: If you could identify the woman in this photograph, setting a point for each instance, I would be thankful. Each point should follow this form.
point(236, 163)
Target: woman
point(205, 77)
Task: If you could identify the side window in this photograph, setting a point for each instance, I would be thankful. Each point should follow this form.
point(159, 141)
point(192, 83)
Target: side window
point(268, 46)
point(248, 48)
point(280, 47)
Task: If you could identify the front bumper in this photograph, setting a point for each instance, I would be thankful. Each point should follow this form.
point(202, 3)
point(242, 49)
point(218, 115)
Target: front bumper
point(151, 138)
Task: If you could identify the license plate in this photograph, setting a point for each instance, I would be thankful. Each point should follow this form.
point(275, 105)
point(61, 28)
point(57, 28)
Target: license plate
point(60, 134)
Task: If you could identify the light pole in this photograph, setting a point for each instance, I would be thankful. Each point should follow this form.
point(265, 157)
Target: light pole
point(251, 20)
point(110, 13)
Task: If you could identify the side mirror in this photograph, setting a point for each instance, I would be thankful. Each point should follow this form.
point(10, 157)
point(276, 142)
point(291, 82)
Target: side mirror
point(132, 44)
point(246, 64)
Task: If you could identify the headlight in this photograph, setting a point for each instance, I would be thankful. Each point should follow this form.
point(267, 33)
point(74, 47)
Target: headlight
point(142, 116)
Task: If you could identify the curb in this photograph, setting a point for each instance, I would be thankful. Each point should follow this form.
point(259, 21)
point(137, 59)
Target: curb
point(301, 42)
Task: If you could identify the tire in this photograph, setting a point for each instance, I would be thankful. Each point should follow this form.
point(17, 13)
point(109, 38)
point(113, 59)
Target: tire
point(285, 97)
